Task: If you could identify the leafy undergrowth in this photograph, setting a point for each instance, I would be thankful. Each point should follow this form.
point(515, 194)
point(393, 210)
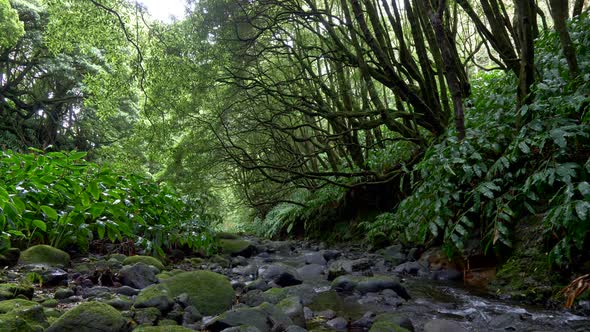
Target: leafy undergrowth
point(511, 165)
point(58, 198)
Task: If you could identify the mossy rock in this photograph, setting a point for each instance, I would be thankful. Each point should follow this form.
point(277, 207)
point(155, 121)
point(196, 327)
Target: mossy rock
point(385, 326)
point(237, 247)
point(15, 304)
point(227, 236)
point(10, 291)
point(293, 307)
point(118, 257)
point(90, 317)
point(331, 300)
point(222, 261)
point(165, 328)
point(525, 275)
point(157, 296)
point(211, 293)
point(275, 295)
point(50, 303)
point(31, 312)
point(397, 319)
point(305, 291)
point(257, 317)
point(149, 260)
point(13, 323)
point(44, 254)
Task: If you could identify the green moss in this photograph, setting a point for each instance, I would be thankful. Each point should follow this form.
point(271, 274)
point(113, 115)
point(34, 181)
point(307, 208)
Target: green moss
point(211, 293)
point(385, 326)
point(89, 316)
point(50, 303)
point(233, 246)
point(333, 301)
point(12, 323)
point(11, 291)
point(147, 295)
point(275, 295)
point(526, 275)
point(44, 254)
point(144, 259)
point(118, 257)
point(223, 262)
point(15, 310)
point(10, 305)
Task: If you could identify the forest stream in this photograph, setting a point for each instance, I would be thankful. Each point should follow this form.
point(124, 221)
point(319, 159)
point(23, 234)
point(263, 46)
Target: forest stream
point(275, 286)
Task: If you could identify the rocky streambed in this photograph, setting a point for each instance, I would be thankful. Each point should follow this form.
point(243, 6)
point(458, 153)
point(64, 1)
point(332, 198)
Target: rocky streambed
point(256, 285)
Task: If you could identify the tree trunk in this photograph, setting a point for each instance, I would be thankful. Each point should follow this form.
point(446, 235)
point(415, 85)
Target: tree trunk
point(452, 70)
point(578, 7)
point(559, 12)
point(525, 10)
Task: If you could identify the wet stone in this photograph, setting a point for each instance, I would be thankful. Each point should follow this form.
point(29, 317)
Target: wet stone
point(63, 293)
point(314, 258)
point(338, 323)
point(138, 275)
point(147, 316)
point(126, 290)
point(191, 315)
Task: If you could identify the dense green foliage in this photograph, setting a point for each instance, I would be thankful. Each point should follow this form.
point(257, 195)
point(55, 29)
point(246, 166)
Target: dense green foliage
point(497, 176)
point(10, 25)
point(58, 198)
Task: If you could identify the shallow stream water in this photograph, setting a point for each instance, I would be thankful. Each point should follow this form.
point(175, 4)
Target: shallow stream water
point(473, 309)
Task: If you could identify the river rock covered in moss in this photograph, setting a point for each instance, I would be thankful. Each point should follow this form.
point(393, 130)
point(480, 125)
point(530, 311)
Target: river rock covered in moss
point(264, 317)
point(21, 315)
point(90, 317)
point(237, 247)
point(10, 291)
point(211, 293)
point(44, 254)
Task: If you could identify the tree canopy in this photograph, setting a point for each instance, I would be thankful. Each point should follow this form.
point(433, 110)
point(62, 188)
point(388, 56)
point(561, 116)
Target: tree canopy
point(449, 119)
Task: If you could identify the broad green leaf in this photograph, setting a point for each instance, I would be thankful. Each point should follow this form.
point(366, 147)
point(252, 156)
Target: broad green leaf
point(84, 199)
point(49, 212)
point(18, 204)
point(97, 209)
point(40, 224)
point(461, 230)
point(558, 136)
point(76, 155)
point(16, 232)
point(93, 189)
point(582, 208)
point(100, 228)
point(524, 148)
point(3, 194)
point(584, 188)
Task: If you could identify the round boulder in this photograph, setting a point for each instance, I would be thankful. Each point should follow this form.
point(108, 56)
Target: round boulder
point(90, 317)
point(235, 247)
point(44, 254)
point(209, 292)
point(139, 275)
